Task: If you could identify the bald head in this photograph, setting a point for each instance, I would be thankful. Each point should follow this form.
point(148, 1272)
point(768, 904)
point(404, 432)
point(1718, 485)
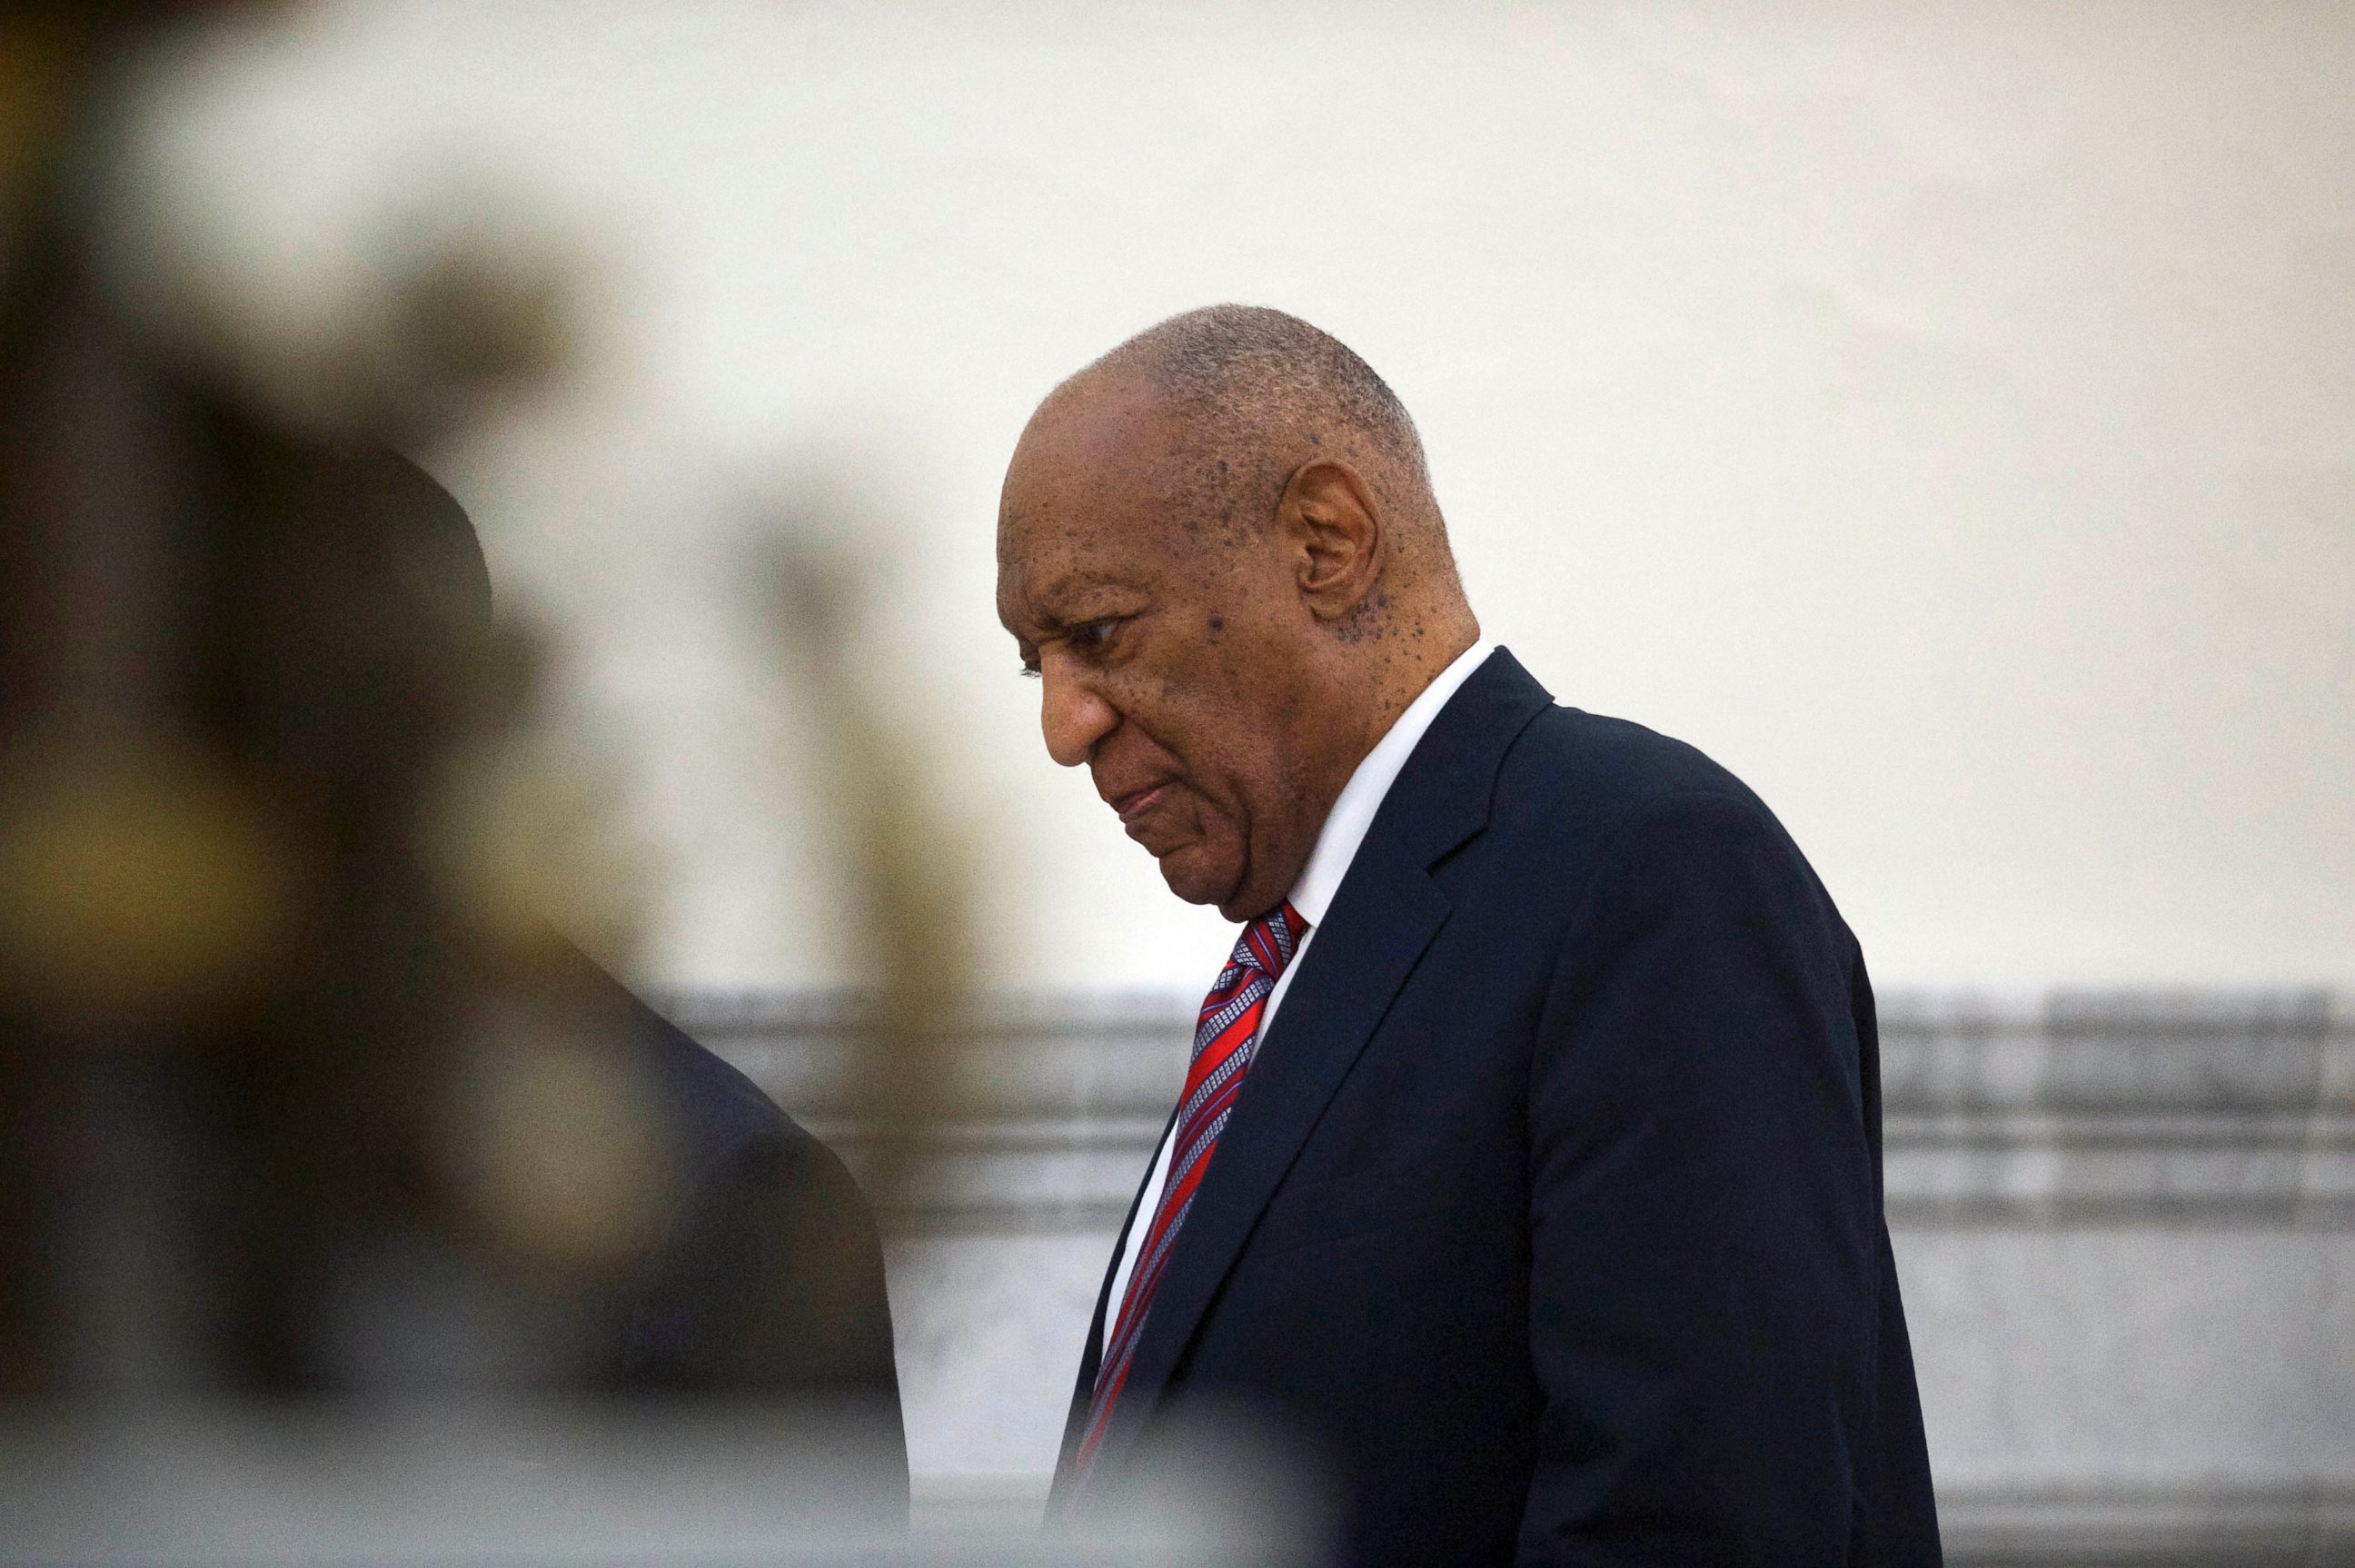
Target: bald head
point(1219, 547)
point(1250, 394)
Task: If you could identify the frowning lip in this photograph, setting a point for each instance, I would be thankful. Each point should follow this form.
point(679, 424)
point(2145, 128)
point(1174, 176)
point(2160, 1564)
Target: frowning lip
point(1137, 802)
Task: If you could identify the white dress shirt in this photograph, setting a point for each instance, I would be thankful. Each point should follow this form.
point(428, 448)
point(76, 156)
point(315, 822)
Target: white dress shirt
point(1312, 895)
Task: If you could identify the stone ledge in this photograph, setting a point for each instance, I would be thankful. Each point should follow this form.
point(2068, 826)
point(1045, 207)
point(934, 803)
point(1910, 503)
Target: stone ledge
point(2190, 1525)
point(2075, 1108)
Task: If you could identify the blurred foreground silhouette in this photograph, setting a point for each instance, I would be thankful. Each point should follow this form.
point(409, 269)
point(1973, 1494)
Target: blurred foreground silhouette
point(348, 1211)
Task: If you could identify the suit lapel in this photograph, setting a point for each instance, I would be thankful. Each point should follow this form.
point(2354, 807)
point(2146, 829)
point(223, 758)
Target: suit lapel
point(1384, 915)
point(1075, 1417)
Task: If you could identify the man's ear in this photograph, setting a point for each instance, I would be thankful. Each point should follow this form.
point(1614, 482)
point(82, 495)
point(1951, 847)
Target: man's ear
point(1328, 514)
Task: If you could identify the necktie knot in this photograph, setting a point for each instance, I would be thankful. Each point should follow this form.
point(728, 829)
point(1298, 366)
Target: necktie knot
point(1268, 943)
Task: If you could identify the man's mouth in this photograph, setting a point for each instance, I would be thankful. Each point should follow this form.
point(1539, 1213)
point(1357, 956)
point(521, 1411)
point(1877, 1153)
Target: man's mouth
point(1136, 802)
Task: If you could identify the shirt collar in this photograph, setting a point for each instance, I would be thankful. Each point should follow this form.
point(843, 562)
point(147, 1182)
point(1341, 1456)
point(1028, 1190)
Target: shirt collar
point(1353, 811)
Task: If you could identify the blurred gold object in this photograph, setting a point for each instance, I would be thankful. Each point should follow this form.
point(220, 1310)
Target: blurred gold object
point(477, 307)
point(275, 848)
point(41, 63)
point(525, 825)
point(445, 304)
point(556, 1142)
point(910, 898)
point(143, 881)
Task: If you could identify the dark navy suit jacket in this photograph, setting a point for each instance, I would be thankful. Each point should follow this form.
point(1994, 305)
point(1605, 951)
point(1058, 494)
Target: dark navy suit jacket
point(768, 1289)
point(770, 1277)
point(1549, 1215)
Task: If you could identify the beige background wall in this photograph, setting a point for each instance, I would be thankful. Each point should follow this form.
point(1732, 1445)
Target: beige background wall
point(1942, 414)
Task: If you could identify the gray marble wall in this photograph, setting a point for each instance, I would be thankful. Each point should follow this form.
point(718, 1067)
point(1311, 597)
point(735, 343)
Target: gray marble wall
point(2124, 1224)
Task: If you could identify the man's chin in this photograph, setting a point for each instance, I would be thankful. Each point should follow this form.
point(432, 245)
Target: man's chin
point(1198, 878)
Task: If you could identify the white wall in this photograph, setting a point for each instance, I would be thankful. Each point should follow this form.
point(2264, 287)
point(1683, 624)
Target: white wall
point(1942, 414)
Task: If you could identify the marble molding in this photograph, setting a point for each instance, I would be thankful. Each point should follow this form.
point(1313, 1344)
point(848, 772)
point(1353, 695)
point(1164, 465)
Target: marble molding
point(2124, 1224)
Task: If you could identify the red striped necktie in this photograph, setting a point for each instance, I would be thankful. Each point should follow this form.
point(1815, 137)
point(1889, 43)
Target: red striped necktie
point(1225, 1040)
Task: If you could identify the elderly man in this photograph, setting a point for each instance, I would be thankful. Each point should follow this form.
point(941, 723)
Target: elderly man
point(1529, 1166)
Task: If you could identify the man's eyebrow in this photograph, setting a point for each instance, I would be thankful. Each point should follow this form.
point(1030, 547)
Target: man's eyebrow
point(1064, 588)
point(1065, 582)
point(1028, 623)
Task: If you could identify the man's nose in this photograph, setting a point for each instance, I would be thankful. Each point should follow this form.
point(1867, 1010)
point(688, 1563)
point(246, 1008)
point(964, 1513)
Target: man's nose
point(1073, 716)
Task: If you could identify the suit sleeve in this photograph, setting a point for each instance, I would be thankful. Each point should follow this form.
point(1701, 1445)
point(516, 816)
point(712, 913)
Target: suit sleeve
point(1704, 1220)
point(771, 1287)
point(774, 1280)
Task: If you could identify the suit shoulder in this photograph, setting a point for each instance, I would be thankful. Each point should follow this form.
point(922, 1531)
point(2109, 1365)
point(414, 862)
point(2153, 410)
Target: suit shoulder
point(717, 1111)
point(1578, 789)
point(1594, 819)
point(1586, 771)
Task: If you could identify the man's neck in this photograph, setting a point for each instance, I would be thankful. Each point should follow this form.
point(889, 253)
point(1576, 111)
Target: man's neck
point(1413, 674)
point(1351, 812)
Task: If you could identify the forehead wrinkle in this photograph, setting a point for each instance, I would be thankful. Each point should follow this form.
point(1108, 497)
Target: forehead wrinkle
point(1033, 593)
point(1096, 525)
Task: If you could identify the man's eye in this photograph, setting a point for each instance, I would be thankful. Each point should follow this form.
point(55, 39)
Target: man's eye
point(1094, 633)
point(1029, 670)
